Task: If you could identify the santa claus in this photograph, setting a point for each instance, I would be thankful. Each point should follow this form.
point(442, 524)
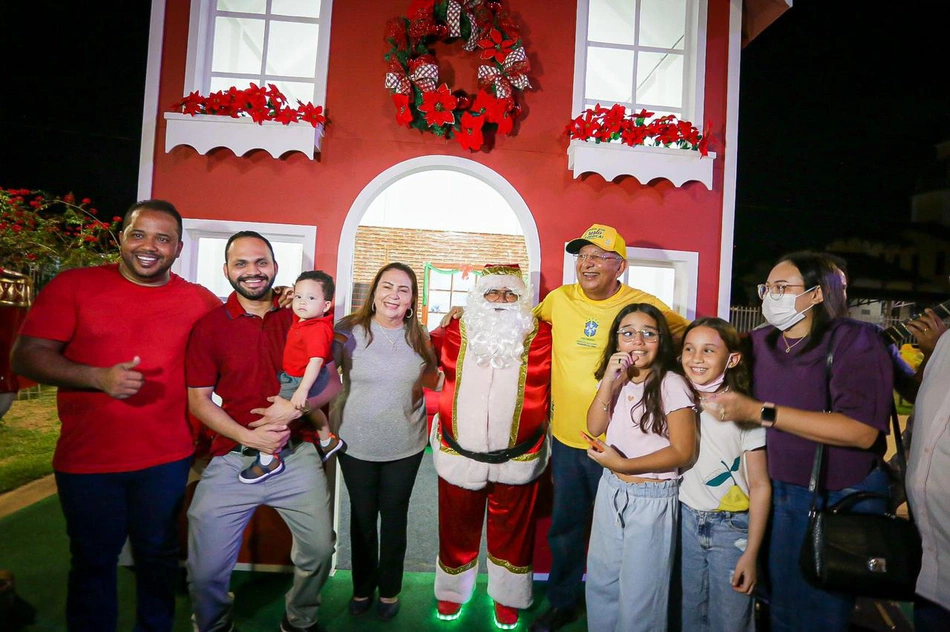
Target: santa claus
point(490, 443)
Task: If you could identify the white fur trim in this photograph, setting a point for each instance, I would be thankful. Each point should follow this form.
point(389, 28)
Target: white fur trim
point(456, 588)
point(510, 589)
point(495, 281)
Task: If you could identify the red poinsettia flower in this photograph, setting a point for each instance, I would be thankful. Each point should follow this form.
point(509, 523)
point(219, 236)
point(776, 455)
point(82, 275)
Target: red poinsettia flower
point(312, 114)
point(502, 114)
point(438, 106)
point(403, 113)
point(633, 135)
point(287, 116)
point(614, 119)
point(704, 145)
point(192, 104)
point(470, 135)
point(495, 46)
point(484, 101)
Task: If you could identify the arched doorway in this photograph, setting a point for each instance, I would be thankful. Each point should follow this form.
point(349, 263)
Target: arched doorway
point(431, 209)
point(443, 216)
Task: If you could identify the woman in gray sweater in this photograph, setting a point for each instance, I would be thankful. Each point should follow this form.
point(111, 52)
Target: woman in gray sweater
point(386, 361)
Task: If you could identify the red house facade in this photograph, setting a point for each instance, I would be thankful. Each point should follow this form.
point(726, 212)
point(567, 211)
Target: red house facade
point(310, 191)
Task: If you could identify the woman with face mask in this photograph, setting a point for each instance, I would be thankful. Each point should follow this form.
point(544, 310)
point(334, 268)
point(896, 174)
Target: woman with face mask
point(802, 402)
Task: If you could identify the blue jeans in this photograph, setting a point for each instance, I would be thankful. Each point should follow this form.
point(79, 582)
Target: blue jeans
point(101, 511)
point(711, 543)
point(630, 561)
point(575, 486)
point(796, 604)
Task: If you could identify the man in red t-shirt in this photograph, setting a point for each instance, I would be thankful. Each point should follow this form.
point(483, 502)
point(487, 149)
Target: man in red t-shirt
point(235, 352)
point(113, 339)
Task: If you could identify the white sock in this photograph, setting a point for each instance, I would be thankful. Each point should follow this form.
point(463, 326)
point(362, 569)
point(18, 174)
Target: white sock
point(265, 459)
point(325, 442)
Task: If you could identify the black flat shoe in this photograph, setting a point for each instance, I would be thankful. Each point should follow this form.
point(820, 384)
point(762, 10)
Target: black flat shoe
point(359, 606)
point(387, 611)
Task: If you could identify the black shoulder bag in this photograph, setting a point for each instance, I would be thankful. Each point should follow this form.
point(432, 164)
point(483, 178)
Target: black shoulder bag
point(866, 555)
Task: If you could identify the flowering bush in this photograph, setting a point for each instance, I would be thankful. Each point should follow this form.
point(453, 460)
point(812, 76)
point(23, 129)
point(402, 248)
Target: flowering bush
point(41, 234)
point(260, 104)
point(604, 125)
point(412, 72)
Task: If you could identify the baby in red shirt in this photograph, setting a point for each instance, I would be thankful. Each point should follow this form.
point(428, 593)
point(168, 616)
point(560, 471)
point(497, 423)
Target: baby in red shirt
point(306, 354)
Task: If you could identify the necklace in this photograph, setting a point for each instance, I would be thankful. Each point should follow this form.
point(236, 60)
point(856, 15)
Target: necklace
point(392, 343)
point(789, 347)
point(725, 390)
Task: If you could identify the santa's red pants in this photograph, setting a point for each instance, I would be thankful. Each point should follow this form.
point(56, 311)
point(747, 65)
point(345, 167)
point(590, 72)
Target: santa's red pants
point(510, 541)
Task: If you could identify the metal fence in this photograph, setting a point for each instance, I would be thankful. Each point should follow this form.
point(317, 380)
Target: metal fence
point(748, 318)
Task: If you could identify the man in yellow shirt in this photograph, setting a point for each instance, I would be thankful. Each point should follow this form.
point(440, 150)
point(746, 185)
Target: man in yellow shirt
point(580, 315)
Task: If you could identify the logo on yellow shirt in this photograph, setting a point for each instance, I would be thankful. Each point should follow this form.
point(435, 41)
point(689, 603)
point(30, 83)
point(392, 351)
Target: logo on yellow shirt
point(590, 328)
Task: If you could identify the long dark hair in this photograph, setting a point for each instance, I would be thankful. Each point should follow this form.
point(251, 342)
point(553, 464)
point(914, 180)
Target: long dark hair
point(653, 419)
point(818, 269)
point(737, 378)
point(415, 335)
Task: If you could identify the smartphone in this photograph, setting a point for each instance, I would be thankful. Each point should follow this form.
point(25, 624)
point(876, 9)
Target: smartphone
point(593, 442)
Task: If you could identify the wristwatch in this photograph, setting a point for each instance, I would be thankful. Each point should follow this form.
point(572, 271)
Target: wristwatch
point(767, 415)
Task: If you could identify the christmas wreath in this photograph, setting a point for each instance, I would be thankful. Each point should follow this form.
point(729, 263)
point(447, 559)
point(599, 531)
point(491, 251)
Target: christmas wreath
point(412, 75)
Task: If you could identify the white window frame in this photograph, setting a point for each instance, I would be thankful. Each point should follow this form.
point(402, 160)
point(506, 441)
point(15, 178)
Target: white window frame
point(194, 229)
point(611, 160)
point(204, 133)
point(685, 265)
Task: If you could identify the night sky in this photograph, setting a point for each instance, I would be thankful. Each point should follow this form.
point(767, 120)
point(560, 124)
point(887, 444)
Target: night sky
point(842, 102)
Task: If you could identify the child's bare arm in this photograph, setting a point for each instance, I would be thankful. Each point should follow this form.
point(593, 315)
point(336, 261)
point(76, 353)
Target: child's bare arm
point(299, 400)
point(680, 453)
point(760, 499)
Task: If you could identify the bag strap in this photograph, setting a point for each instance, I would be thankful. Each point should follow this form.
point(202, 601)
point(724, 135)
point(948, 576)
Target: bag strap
point(813, 483)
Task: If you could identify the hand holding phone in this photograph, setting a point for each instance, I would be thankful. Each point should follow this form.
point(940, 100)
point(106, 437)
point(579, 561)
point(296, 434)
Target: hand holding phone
point(592, 441)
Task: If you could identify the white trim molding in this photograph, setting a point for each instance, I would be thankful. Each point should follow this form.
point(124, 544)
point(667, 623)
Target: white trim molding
point(684, 263)
point(204, 132)
point(730, 158)
point(344, 267)
point(611, 160)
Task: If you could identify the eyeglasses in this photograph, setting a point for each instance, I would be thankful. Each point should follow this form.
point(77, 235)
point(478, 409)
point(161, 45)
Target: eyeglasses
point(775, 291)
point(596, 258)
point(648, 337)
point(496, 296)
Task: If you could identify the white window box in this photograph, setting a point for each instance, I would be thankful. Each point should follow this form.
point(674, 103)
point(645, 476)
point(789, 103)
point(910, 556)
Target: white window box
point(611, 160)
point(204, 132)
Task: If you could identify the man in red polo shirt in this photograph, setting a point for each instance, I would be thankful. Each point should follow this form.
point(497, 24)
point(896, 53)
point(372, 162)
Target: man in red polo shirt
point(113, 338)
point(236, 351)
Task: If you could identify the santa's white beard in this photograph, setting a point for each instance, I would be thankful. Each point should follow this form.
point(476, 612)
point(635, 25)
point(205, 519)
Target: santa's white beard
point(496, 336)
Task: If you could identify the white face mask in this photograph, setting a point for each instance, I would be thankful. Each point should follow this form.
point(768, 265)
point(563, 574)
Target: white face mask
point(781, 312)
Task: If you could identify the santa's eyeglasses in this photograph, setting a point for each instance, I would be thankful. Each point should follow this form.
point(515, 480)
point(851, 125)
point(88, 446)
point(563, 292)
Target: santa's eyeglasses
point(501, 296)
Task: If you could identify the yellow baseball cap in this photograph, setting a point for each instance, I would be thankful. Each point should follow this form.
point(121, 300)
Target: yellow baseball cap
point(602, 236)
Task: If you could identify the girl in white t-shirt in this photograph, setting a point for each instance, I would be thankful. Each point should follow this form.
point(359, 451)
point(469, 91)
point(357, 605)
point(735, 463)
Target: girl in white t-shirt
point(725, 496)
point(647, 412)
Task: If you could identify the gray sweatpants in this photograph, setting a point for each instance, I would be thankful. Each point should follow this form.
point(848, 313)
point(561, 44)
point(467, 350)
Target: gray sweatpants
point(630, 555)
point(221, 509)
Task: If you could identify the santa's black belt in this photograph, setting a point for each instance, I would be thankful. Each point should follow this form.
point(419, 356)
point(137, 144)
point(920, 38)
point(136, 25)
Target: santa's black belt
point(495, 456)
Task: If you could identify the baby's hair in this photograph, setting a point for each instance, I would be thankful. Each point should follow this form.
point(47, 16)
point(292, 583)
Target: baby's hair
point(737, 378)
point(321, 277)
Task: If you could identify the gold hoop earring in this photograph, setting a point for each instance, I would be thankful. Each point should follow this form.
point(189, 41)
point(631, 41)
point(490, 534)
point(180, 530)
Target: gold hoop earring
point(409, 314)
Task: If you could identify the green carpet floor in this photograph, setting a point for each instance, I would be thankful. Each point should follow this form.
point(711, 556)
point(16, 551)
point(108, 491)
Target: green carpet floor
point(34, 547)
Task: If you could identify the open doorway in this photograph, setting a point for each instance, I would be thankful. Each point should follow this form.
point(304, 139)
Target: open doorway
point(446, 218)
